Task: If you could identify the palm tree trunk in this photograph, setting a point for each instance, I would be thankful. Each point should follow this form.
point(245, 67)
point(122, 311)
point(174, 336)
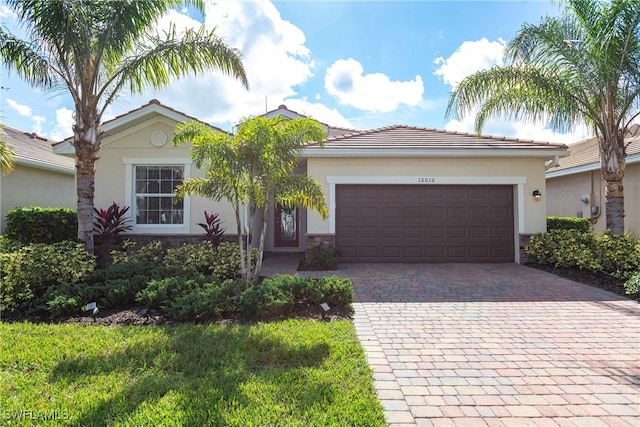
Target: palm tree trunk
point(243, 270)
point(85, 175)
point(612, 165)
point(614, 202)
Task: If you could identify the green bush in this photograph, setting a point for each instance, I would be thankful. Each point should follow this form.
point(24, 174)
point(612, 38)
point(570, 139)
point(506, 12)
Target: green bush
point(269, 298)
point(42, 225)
point(64, 299)
point(227, 261)
point(277, 295)
point(320, 258)
point(632, 285)
point(192, 258)
point(568, 223)
point(152, 252)
point(335, 291)
point(564, 248)
point(30, 270)
point(616, 255)
point(160, 291)
point(206, 302)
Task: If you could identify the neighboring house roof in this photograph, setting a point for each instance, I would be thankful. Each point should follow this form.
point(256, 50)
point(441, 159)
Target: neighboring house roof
point(132, 118)
point(584, 156)
point(282, 110)
point(403, 141)
point(35, 151)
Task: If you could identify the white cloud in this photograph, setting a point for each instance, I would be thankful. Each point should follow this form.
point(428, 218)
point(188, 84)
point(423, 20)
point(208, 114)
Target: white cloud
point(38, 121)
point(345, 80)
point(318, 111)
point(470, 57)
point(64, 124)
point(23, 110)
point(274, 56)
point(6, 12)
point(520, 129)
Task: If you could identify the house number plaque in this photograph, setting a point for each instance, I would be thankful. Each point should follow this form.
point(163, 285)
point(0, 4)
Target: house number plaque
point(426, 180)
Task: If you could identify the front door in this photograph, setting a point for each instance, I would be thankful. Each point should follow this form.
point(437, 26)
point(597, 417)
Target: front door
point(286, 227)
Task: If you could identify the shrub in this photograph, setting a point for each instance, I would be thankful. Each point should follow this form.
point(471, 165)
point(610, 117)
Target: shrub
point(191, 258)
point(64, 299)
point(320, 258)
point(29, 271)
point(160, 291)
point(564, 248)
point(42, 225)
point(206, 302)
point(267, 299)
point(152, 252)
point(617, 255)
point(568, 223)
point(109, 223)
point(335, 291)
point(227, 261)
point(632, 285)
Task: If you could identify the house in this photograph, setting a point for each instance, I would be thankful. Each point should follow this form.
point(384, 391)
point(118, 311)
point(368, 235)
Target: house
point(575, 186)
point(395, 194)
point(40, 178)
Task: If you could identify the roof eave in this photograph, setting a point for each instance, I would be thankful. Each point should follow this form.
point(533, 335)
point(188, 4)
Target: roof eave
point(546, 153)
point(594, 166)
point(70, 170)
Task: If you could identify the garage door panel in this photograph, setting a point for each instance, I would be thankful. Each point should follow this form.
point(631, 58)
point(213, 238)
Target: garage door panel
point(432, 223)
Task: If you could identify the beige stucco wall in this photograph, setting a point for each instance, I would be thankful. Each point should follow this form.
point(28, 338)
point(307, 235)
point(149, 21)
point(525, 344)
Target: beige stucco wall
point(133, 146)
point(28, 186)
point(530, 215)
point(565, 193)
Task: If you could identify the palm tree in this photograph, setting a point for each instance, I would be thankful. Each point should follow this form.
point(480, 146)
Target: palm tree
point(254, 168)
point(580, 67)
point(7, 158)
point(96, 48)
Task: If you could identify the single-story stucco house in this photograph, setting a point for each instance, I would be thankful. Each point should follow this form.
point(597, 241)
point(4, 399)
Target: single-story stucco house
point(40, 178)
point(395, 194)
point(575, 186)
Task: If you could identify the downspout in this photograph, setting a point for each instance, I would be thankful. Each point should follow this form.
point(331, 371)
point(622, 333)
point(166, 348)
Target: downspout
point(552, 163)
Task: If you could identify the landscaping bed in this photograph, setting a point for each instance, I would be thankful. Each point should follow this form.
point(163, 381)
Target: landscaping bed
point(592, 278)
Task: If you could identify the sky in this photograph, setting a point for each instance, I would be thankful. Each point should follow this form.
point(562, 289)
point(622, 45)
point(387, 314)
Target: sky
point(357, 64)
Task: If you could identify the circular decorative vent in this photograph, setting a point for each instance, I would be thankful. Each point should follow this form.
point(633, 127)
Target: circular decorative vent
point(158, 138)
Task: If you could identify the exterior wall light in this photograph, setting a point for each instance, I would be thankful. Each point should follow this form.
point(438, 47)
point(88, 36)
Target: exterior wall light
point(537, 195)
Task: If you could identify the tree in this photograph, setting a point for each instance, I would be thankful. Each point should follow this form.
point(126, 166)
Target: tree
point(96, 48)
point(7, 158)
point(254, 168)
point(580, 67)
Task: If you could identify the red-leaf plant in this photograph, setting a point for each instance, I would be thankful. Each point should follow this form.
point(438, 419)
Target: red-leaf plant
point(109, 223)
point(212, 227)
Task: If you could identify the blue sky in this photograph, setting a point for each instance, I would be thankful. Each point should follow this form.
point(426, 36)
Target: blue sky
point(359, 64)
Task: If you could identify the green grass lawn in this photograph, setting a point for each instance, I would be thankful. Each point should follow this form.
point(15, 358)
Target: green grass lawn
point(291, 373)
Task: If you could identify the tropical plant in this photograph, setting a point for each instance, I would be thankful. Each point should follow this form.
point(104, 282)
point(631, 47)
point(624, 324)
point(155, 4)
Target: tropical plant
point(94, 50)
point(110, 222)
point(212, 226)
point(580, 67)
point(7, 158)
point(254, 168)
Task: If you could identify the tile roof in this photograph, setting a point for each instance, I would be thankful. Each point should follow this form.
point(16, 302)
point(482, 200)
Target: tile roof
point(408, 137)
point(586, 153)
point(109, 126)
point(331, 130)
point(34, 150)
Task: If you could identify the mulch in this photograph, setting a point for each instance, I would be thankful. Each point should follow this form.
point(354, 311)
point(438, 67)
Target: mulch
point(596, 279)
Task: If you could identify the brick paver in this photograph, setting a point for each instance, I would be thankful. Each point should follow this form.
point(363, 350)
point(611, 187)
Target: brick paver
point(496, 345)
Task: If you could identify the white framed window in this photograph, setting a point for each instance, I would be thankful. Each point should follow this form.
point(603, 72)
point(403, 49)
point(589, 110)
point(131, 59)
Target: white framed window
point(151, 188)
point(155, 189)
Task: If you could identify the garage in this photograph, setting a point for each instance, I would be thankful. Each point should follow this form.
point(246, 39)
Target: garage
point(425, 223)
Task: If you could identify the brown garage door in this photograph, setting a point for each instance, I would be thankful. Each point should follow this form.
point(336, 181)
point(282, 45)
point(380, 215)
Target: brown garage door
point(431, 223)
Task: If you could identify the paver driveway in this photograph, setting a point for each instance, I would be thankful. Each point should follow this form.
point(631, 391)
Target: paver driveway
point(503, 345)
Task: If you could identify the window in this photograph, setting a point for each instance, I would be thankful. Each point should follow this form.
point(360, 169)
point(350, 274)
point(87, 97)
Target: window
point(155, 188)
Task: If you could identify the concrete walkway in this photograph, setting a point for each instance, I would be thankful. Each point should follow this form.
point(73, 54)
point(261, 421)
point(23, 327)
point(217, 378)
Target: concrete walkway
point(494, 345)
